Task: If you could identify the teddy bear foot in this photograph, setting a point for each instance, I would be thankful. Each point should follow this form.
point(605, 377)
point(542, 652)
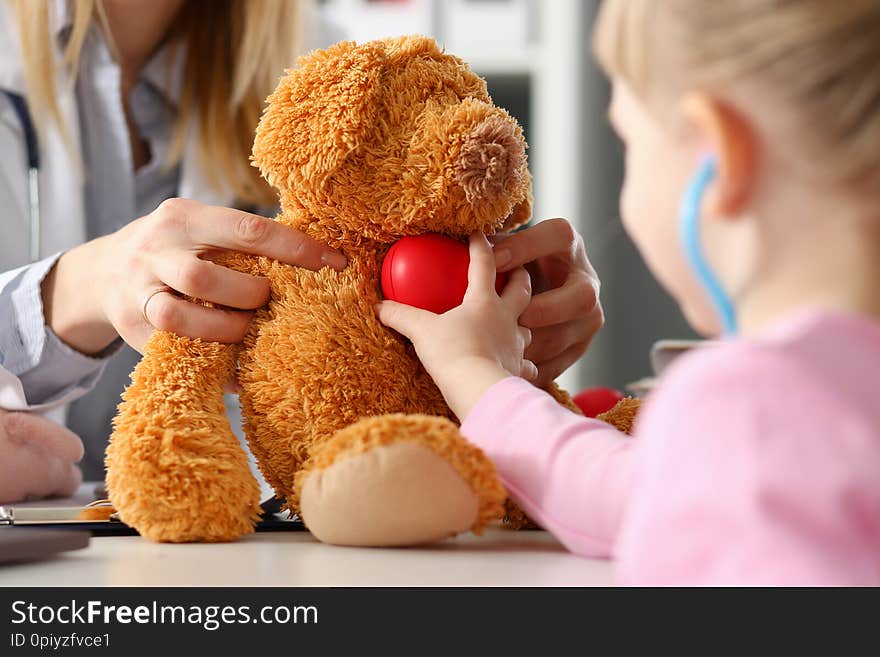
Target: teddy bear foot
point(192, 486)
point(397, 480)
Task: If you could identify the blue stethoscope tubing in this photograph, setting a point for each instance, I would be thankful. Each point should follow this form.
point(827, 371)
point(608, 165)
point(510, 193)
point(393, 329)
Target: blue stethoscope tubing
point(689, 225)
point(19, 105)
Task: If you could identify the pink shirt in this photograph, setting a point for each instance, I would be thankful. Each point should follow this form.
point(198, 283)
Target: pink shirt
point(755, 462)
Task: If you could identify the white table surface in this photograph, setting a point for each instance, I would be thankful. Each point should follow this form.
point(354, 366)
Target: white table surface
point(499, 557)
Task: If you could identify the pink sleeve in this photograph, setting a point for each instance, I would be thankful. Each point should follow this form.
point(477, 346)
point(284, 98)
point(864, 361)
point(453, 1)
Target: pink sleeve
point(569, 473)
point(752, 473)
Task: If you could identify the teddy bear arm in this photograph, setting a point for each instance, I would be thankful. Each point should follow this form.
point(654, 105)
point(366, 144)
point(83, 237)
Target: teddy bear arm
point(175, 470)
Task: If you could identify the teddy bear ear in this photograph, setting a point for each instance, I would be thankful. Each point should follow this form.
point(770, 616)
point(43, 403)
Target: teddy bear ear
point(318, 113)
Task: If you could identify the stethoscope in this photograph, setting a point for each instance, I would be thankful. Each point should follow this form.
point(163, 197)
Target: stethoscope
point(689, 227)
point(33, 161)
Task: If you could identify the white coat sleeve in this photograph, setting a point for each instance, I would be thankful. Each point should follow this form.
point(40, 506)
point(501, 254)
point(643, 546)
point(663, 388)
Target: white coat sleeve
point(37, 370)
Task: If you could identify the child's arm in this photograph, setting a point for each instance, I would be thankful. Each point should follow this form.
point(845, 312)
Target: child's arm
point(569, 473)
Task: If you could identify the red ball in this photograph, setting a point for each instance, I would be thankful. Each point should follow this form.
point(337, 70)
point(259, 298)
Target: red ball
point(594, 401)
point(429, 271)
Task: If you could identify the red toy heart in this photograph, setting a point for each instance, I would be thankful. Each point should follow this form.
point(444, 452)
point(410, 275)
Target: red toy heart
point(594, 401)
point(429, 271)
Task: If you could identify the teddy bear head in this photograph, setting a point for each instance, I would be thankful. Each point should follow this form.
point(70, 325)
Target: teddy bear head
point(391, 138)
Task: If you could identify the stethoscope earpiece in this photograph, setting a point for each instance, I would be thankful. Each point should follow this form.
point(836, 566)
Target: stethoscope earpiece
point(689, 224)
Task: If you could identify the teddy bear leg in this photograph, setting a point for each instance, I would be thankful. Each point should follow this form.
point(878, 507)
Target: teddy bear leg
point(175, 470)
point(397, 480)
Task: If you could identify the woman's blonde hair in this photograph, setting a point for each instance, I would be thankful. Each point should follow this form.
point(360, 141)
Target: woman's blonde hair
point(235, 51)
point(816, 61)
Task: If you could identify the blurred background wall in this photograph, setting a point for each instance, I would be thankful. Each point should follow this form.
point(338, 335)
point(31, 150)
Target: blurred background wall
point(537, 60)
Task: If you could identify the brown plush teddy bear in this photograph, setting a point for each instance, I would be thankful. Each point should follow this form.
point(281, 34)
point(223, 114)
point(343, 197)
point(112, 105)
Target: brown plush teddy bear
point(366, 144)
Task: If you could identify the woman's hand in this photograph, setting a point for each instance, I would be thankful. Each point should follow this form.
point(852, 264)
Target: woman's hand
point(37, 458)
point(564, 314)
point(119, 284)
point(476, 344)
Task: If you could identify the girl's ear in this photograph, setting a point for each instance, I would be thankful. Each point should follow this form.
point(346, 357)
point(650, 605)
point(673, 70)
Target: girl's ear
point(318, 114)
point(728, 136)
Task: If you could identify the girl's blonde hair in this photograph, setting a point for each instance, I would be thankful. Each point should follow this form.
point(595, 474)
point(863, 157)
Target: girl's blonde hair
point(235, 51)
point(815, 61)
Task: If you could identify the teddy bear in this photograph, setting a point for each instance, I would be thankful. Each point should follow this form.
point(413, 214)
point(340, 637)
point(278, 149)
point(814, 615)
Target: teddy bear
point(366, 144)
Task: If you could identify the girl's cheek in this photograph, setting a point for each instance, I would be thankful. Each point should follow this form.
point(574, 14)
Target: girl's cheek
point(625, 209)
point(640, 214)
point(655, 177)
point(631, 205)
point(648, 209)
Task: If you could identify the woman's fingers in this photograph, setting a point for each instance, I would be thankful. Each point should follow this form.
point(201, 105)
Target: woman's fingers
point(47, 476)
point(550, 341)
point(577, 297)
point(202, 279)
point(481, 269)
point(518, 292)
point(61, 479)
point(529, 371)
point(173, 246)
point(37, 457)
point(207, 226)
point(168, 312)
point(549, 237)
point(549, 370)
point(29, 473)
point(50, 437)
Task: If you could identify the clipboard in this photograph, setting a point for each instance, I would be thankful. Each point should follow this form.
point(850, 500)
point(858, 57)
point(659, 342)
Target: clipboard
point(99, 519)
point(19, 546)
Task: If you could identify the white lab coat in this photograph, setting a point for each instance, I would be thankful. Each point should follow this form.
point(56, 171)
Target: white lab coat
point(62, 222)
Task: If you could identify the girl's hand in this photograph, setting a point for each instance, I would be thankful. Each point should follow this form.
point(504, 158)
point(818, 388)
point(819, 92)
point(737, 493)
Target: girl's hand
point(119, 284)
point(565, 313)
point(37, 458)
point(475, 345)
